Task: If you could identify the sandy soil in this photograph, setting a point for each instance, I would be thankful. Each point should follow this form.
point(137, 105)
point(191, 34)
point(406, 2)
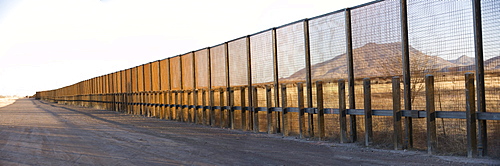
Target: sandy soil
point(4, 101)
point(34, 132)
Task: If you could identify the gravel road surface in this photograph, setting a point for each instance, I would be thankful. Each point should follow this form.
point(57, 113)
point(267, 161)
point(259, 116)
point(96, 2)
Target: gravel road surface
point(34, 132)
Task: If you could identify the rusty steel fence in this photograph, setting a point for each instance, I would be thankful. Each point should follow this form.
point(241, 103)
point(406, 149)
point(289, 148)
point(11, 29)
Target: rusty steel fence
point(404, 75)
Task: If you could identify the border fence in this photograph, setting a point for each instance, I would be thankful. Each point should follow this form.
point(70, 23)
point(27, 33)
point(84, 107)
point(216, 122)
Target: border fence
point(398, 74)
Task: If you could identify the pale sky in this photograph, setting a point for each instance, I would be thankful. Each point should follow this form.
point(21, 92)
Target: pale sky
point(49, 44)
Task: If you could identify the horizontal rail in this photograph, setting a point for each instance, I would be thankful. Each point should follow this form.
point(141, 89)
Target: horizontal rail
point(405, 113)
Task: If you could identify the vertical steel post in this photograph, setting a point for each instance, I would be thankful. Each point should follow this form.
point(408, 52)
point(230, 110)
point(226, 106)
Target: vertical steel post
point(181, 98)
point(276, 79)
point(405, 49)
point(230, 111)
point(480, 87)
point(195, 91)
point(210, 91)
point(249, 77)
point(307, 50)
point(350, 71)
point(169, 94)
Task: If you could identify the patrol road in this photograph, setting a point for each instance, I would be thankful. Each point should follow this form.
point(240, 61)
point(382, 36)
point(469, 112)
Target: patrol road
point(34, 132)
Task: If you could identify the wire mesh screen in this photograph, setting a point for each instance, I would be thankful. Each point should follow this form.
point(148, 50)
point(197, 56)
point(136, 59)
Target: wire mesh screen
point(147, 77)
point(118, 82)
point(376, 36)
point(135, 86)
point(261, 57)
point(155, 76)
point(123, 81)
point(238, 65)
point(218, 66)
point(175, 73)
point(328, 47)
point(490, 14)
point(165, 72)
point(187, 71)
point(201, 69)
point(128, 74)
point(376, 40)
point(291, 54)
point(441, 40)
point(140, 78)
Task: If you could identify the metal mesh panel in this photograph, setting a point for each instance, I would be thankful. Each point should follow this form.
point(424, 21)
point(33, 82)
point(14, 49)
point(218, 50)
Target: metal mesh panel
point(128, 72)
point(175, 73)
point(291, 54)
point(187, 71)
point(376, 40)
point(490, 14)
point(123, 81)
point(155, 76)
point(140, 78)
point(117, 79)
point(115, 86)
point(238, 75)
point(165, 72)
point(441, 43)
point(218, 66)
point(147, 77)
point(376, 53)
point(135, 86)
point(201, 69)
point(328, 47)
point(261, 56)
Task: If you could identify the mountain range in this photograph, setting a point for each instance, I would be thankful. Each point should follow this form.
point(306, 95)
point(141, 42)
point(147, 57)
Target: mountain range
point(381, 60)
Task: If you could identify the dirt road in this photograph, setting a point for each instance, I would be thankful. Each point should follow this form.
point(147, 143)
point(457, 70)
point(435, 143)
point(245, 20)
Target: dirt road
point(35, 132)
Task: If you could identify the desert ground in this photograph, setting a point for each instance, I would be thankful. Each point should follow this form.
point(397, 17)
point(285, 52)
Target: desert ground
point(34, 132)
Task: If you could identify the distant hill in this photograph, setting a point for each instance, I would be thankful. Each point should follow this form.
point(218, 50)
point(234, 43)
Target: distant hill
point(469, 64)
point(493, 63)
point(374, 60)
point(464, 60)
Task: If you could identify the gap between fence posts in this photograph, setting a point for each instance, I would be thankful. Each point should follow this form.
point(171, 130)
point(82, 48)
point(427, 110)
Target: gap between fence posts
point(285, 127)
point(300, 100)
point(431, 114)
point(270, 124)
point(222, 111)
